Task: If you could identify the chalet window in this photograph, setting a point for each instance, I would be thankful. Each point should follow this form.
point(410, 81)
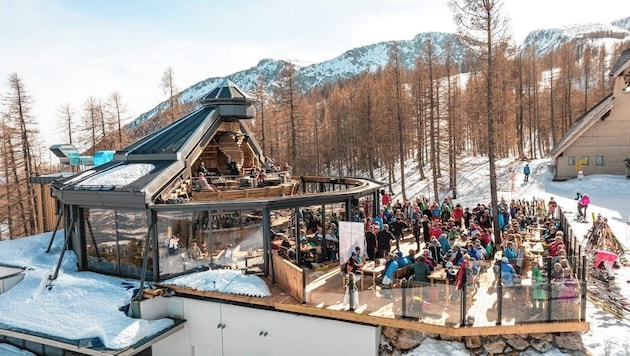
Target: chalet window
point(585, 160)
point(599, 160)
point(571, 160)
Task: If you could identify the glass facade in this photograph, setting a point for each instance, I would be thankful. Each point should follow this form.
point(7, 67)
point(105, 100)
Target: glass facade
point(115, 241)
point(200, 240)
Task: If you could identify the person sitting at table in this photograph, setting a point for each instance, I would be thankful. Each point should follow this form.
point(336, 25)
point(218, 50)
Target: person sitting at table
point(357, 250)
point(553, 247)
point(473, 253)
point(287, 247)
point(450, 272)
point(550, 234)
point(401, 260)
point(354, 265)
point(458, 255)
point(233, 169)
point(203, 184)
point(420, 269)
point(195, 251)
point(202, 168)
point(509, 252)
point(429, 260)
point(562, 255)
point(539, 290)
point(445, 245)
point(435, 251)
point(557, 272)
point(260, 177)
point(481, 251)
point(508, 274)
point(411, 256)
point(391, 266)
point(454, 256)
point(521, 257)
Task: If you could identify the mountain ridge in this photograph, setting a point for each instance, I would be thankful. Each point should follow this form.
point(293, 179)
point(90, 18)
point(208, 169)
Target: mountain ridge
point(375, 56)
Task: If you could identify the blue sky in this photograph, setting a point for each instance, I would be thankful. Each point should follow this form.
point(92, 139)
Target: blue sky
point(67, 50)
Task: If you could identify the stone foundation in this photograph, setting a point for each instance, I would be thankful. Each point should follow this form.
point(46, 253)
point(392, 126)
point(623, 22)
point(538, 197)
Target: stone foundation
point(396, 342)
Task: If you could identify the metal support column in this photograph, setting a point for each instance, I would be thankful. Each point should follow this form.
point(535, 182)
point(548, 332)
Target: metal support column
point(266, 228)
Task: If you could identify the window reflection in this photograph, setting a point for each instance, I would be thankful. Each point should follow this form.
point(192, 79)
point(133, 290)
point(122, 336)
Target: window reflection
point(201, 240)
point(115, 240)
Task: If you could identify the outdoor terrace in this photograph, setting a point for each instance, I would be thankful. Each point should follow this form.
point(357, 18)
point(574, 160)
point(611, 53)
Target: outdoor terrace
point(477, 309)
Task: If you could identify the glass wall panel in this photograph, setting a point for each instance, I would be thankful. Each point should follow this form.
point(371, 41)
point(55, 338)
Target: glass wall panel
point(201, 240)
point(100, 238)
point(175, 235)
point(235, 239)
point(132, 232)
point(115, 240)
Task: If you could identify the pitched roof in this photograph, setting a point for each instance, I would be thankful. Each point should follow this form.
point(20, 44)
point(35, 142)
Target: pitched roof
point(142, 169)
point(582, 125)
point(622, 63)
point(226, 91)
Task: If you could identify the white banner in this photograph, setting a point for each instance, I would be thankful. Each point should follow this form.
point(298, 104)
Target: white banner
point(351, 235)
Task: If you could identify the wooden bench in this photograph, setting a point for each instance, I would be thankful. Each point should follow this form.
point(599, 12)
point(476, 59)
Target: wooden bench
point(402, 273)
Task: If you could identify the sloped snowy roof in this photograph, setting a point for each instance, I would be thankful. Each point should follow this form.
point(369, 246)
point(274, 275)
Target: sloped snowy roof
point(582, 124)
point(622, 63)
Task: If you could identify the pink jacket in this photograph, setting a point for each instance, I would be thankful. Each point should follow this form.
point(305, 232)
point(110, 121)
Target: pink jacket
point(605, 256)
point(585, 200)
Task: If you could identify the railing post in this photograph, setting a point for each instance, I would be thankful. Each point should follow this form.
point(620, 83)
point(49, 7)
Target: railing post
point(583, 288)
point(404, 285)
point(500, 294)
point(549, 297)
point(462, 310)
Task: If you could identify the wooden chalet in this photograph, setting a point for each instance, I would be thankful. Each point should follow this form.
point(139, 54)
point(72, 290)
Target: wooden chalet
point(598, 142)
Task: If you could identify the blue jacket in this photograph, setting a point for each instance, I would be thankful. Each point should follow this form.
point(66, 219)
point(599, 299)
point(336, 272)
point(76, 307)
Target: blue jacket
point(507, 273)
point(509, 253)
point(378, 220)
point(391, 268)
point(526, 170)
point(445, 245)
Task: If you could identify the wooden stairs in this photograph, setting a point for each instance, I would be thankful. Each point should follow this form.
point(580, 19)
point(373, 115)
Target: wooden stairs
point(232, 150)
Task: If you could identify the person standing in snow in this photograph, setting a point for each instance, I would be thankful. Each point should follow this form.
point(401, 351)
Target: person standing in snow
point(551, 208)
point(578, 197)
point(526, 172)
point(583, 205)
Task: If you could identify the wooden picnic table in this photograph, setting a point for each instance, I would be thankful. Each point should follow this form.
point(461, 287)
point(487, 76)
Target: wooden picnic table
point(439, 275)
point(371, 268)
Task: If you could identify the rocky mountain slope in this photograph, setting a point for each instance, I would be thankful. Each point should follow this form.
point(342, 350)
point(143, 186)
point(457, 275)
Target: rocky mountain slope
point(372, 57)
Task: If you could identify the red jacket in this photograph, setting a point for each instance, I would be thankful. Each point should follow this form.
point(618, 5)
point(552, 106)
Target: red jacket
point(458, 214)
point(435, 232)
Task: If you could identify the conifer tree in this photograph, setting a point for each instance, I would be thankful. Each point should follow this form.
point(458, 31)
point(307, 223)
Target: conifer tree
point(483, 26)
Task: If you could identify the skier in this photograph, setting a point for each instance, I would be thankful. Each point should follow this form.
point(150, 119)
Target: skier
point(583, 205)
point(578, 197)
point(526, 172)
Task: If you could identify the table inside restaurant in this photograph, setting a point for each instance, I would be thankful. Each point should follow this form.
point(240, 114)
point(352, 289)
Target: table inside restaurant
point(372, 268)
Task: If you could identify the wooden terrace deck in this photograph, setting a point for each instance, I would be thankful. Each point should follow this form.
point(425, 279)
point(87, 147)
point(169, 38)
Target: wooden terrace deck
point(325, 298)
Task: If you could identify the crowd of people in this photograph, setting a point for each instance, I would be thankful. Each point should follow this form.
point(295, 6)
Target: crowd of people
point(460, 240)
